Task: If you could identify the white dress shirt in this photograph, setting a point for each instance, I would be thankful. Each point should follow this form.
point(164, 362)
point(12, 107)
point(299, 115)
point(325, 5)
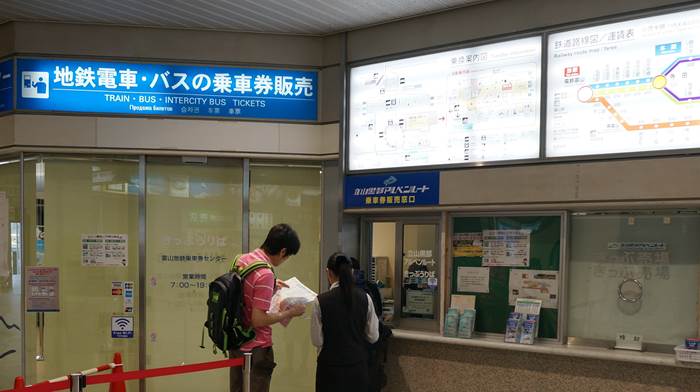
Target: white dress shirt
point(371, 329)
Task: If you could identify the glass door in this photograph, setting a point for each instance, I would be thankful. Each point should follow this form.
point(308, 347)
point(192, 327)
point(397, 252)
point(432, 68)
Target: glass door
point(292, 195)
point(419, 271)
point(10, 273)
point(193, 232)
point(81, 264)
point(403, 259)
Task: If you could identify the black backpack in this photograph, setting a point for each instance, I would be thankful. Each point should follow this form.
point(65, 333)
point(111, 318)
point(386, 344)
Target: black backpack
point(225, 308)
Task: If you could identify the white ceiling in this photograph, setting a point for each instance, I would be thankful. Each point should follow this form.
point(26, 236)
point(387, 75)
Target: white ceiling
point(313, 17)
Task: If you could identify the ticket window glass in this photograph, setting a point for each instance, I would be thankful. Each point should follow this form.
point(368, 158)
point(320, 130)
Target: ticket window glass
point(403, 259)
point(634, 273)
point(292, 195)
point(382, 266)
point(81, 218)
point(193, 232)
point(10, 273)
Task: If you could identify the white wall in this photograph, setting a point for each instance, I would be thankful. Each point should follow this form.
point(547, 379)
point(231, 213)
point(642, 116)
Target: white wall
point(671, 179)
point(489, 19)
point(310, 141)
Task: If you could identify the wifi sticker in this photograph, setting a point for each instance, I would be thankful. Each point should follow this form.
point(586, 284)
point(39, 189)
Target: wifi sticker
point(122, 327)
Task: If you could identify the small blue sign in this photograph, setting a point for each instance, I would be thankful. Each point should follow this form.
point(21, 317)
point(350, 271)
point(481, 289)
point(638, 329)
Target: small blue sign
point(166, 90)
point(6, 69)
point(669, 48)
point(392, 190)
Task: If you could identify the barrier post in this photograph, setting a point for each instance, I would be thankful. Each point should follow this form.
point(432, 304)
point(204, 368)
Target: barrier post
point(19, 383)
point(117, 386)
point(76, 382)
point(247, 366)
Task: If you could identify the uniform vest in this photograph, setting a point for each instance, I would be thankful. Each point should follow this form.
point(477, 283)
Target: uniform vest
point(344, 338)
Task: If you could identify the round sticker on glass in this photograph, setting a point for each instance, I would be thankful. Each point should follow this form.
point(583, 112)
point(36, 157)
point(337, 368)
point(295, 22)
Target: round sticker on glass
point(432, 283)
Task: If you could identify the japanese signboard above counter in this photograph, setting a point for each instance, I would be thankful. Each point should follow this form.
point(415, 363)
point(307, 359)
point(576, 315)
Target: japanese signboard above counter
point(392, 190)
point(168, 90)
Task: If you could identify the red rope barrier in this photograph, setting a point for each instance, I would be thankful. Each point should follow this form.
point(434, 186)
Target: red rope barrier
point(165, 371)
point(133, 375)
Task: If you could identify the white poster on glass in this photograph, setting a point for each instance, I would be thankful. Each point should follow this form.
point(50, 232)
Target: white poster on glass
point(105, 250)
point(419, 302)
point(473, 279)
point(534, 284)
point(625, 87)
point(474, 104)
point(506, 248)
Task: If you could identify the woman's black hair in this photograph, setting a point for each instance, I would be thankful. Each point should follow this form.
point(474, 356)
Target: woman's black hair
point(341, 266)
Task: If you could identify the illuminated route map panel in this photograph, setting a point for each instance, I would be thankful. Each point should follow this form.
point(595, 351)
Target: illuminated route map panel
point(625, 87)
point(477, 104)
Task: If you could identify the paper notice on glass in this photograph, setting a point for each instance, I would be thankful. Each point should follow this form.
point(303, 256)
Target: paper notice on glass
point(532, 284)
point(296, 293)
point(473, 279)
point(105, 250)
point(506, 248)
point(467, 245)
point(42, 289)
point(419, 302)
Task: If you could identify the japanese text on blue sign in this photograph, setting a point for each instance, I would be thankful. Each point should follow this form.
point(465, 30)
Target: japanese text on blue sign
point(6, 85)
point(165, 89)
point(392, 190)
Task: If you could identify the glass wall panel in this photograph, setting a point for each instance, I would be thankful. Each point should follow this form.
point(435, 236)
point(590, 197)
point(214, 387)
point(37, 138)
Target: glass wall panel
point(81, 216)
point(420, 272)
point(290, 195)
point(193, 233)
point(10, 273)
point(635, 274)
point(383, 265)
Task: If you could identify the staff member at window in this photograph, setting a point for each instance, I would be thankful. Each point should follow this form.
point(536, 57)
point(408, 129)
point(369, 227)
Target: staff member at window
point(342, 323)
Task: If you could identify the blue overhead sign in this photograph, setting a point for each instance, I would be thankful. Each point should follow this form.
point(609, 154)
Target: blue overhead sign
point(6, 68)
point(166, 90)
point(392, 190)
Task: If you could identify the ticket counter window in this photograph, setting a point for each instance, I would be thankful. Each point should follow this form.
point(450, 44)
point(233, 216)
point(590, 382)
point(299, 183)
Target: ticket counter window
point(419, 283)
point(634, 274)
point(403, 260)
point(382, 266)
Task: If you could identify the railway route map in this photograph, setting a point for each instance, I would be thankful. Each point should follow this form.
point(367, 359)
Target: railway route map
point(626, 87)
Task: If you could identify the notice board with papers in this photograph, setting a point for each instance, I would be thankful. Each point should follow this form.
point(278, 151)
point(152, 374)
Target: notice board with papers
point(523, 255)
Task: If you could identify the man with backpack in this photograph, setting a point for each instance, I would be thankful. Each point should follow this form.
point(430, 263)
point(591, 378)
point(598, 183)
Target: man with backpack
point(377, 350)
point(258, 287)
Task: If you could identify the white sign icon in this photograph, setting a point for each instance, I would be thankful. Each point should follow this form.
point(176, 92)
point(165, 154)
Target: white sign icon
point(122, 327)
point(35, 84)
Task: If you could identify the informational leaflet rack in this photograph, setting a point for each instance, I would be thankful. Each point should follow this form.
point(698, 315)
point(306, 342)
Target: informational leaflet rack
point(523, 324)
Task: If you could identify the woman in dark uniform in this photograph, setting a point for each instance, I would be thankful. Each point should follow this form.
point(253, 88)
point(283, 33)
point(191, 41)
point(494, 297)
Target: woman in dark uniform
point(342, 324)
